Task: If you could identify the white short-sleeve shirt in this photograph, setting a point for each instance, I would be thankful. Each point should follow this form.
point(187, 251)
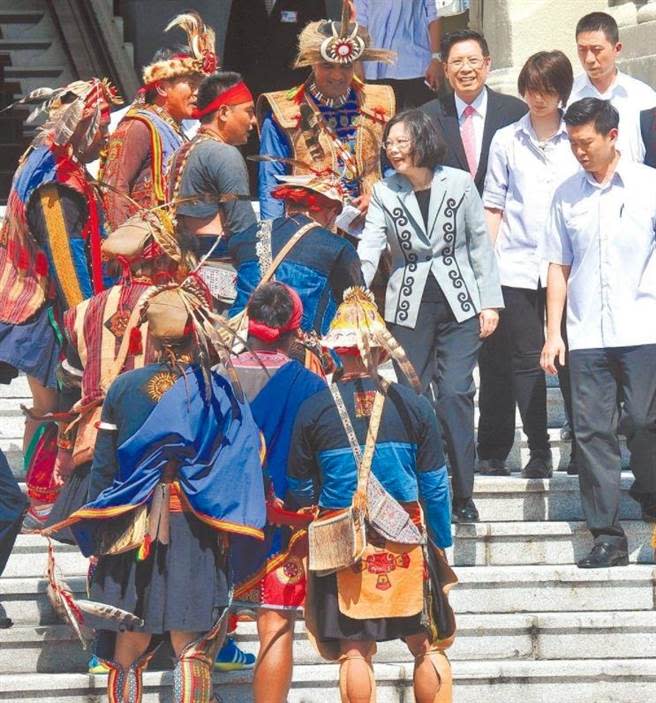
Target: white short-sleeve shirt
point(522, 175)
point(629, 97)
point(606, 233)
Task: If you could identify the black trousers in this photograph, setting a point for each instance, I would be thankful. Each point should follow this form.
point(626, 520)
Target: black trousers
point(599, 377)
point(12, 508)
point(509, 365)
point(446, 351)
point(409, 92)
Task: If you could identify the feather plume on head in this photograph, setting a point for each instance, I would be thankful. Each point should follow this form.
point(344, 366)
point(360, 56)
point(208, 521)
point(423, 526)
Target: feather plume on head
point(67, 107)
point(201, 58)
point(343, 42)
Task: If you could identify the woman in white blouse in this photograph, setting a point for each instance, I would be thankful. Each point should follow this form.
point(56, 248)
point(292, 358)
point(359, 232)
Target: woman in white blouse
point(527, 161)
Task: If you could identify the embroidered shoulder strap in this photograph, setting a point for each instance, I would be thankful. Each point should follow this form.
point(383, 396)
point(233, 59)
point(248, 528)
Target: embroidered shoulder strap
point(288, 246)
point(362, 460)
point(263, 246)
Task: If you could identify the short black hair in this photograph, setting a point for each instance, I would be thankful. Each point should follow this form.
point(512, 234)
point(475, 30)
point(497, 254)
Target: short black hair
point(211, 87)
point(600, 112)
point(547, 72)
point(271, 304)
point(599, 22)
point(452, 38)
point(428, 149)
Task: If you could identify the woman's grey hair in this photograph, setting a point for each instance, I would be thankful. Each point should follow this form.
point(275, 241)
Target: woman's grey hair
point(428, 148)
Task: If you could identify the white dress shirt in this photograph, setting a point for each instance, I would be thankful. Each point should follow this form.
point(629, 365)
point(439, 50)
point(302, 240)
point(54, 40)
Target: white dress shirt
point(480, 105)
point(522, 175)
point(606, 233)
point(629, 97)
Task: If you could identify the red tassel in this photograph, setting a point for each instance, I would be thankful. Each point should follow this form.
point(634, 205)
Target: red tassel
point(23, 259)
point(135, 347)
point(41, 263)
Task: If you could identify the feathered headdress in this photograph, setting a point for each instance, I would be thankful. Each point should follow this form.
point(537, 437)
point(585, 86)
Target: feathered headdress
point(201, 59)
point(343, 42)
point(358, 326)
point(67, 107)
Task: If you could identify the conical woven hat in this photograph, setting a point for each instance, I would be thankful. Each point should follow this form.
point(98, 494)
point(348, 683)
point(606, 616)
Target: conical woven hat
point(167, 315)
point(355, 317)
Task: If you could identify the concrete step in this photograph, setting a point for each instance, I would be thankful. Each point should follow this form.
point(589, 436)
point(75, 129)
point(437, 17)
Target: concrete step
point(34, 71)
point(485, 590)
point(532, 543)
point(508, 499)
point(578, 681)
point(534, 636)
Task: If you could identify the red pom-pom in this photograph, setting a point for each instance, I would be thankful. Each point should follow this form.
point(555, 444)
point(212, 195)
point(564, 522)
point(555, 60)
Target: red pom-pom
point(41, 264)
point(135, 347)
point(23, 259)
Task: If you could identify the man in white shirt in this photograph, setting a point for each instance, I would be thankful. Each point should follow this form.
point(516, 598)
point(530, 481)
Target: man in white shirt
point(598, 46)
point(602, 252)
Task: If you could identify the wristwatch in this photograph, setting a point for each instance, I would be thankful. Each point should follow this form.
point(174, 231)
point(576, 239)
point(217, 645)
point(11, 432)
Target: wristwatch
point(437, 56)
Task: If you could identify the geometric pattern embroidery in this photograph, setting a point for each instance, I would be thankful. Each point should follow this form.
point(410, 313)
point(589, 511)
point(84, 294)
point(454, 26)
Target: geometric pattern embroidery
point(158, 384)
point(364, 403)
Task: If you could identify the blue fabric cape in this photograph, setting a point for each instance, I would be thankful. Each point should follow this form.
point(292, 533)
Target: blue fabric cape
point(275, 409)
point(217, 446)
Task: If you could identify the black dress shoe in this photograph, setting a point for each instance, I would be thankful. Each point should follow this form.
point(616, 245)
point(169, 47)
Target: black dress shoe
point(5, 623)
point(464, 510)
point(539, 465)
point(603, 555)
point(493, 467)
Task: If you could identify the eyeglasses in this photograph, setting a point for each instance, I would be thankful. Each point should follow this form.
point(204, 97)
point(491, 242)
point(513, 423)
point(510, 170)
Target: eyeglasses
point(476, 62)
point(400, 144)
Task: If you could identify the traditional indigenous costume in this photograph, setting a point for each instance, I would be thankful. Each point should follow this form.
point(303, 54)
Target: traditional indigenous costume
point(176, 473)
point(52, 231)
point(272, 574)
point(96, 329)
point(395, 584)
point(339, 135)
point(318, 264)
point(12, 507)
point(136, 163)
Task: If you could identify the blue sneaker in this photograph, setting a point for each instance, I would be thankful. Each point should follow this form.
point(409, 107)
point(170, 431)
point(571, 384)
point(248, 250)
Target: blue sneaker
point(96, 666)
point(231, 658)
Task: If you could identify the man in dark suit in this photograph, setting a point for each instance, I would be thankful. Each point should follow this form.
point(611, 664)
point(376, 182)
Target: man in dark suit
point(468, 119)
point(648, 133)
point(261, 41)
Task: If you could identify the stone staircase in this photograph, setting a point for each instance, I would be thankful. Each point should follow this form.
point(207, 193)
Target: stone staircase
point(532, 627)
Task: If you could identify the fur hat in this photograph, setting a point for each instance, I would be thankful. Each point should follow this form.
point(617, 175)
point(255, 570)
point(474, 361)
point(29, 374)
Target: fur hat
point(201, 59)
point(343, 42)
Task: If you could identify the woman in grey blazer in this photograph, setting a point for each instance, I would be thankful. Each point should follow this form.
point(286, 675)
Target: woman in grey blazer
point(443, 292)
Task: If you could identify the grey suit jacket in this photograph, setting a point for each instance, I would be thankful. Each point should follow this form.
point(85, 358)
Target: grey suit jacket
point(456, 246)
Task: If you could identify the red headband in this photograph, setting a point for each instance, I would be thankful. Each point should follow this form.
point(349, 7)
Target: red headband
point(233, 96)
point(270, 334)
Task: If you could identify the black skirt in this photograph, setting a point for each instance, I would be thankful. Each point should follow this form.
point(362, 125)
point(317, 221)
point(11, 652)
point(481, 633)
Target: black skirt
point(334, 625)
point(180, 586)
point(72, 497)
point(31, 347)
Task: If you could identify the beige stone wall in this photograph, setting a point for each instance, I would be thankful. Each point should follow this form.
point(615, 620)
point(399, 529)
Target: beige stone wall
point(515, 29)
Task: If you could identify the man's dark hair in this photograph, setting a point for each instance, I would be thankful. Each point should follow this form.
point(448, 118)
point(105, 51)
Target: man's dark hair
point(452, 38)
point(213, 86)
point(600, 112)
point(547, 72)
point(599, 22)
point(271, 304)
point(164, 54)
point(428, 149)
